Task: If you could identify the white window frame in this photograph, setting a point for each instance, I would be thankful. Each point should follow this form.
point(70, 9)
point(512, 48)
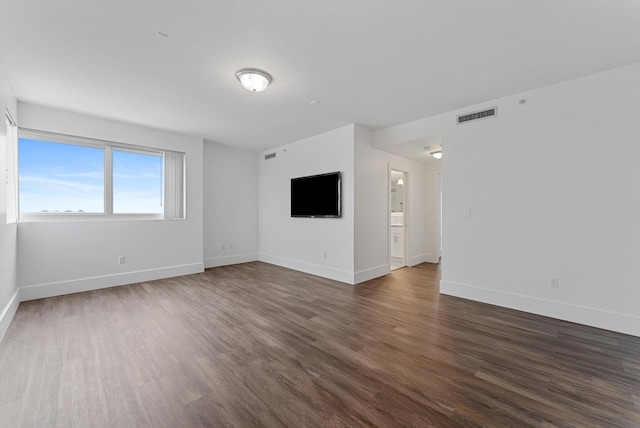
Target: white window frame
point(108, 147)
point(11, 167)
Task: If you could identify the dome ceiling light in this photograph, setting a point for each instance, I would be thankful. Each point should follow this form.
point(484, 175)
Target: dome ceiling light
point(253, 79)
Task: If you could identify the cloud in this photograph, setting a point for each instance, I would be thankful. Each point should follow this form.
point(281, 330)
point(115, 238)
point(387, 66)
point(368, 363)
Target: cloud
point(138, 176)
point(124, 176)
point(93, 174)
point(61, 185)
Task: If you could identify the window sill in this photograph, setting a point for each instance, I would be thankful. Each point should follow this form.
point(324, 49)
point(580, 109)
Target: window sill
point(75, 217)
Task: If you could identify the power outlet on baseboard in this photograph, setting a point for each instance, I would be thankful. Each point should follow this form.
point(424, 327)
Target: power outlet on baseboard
point(553, 282)
point(122, 260)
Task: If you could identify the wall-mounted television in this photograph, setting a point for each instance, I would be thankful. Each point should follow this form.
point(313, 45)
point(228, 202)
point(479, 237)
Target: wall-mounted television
point(317, 195)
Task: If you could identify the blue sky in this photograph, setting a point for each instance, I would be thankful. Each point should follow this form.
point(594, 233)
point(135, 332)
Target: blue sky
point(64, 177)
point(137, 183)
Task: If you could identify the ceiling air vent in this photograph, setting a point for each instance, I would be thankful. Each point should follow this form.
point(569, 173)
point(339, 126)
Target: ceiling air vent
point(269, 156)
point(484, 114)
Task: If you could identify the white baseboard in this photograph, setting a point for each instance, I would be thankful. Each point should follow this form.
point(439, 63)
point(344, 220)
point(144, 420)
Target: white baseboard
point(41, 291)
point(367, 274)
point(8, 313)
point(423, 258)
point(621, 323)
point(431, 258)
point(323, 271)
point(230, 260)
point(416, 260)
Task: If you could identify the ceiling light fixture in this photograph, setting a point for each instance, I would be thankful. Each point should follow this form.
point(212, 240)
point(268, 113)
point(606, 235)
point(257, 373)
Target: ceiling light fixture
point(437, 154)
point(400, 182)
point(253, 79)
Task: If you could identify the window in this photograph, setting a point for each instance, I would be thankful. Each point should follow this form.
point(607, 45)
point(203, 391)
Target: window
point(60, 178)
point(137, 182)
point(71, 176)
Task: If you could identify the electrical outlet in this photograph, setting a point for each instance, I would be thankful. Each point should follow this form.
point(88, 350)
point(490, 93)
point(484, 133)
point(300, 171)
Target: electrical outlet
point(122, 260)
point(231, 246)
point(553, 282)
point(325, 254)
point(223, 246)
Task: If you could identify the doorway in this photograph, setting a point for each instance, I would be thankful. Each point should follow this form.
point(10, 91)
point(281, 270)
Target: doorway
point(439, 205)
point(398, 219)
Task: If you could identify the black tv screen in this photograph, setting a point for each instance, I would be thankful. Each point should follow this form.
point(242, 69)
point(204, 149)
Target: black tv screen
point(316, 195)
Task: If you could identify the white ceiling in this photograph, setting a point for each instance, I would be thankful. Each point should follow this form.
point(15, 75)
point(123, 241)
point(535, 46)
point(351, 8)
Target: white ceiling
point(374, 63)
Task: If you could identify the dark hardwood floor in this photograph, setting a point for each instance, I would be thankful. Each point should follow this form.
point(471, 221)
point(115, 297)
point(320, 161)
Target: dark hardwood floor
point(258, 345)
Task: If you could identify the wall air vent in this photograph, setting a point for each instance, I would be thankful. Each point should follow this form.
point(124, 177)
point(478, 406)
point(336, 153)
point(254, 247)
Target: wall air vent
point(477, 115)
point(269, 156)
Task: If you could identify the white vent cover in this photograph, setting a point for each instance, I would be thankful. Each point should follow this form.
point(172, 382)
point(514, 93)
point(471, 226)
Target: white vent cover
point(269, 156)
point(477, 115)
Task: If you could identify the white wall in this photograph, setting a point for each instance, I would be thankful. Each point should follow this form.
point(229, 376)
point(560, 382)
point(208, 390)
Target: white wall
point(9, 298)
point(553, 188)
point(62, 257)
point(372, 208)
point(357, 245)
point(230, 205)
point(301, 243)
point(432, 177)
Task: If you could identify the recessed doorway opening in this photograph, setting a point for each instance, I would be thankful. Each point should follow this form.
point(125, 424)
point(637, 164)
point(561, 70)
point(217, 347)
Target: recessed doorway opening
point(398, 219)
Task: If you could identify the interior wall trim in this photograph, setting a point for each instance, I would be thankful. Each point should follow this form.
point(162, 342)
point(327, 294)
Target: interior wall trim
point(374, 272)
point(8, 312)
point(423, 258)
point(326, 272)
point(614, 321)
point(60, 288)
point(230, 260)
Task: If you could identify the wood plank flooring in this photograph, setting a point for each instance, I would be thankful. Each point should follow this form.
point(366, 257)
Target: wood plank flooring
point(257, 345)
